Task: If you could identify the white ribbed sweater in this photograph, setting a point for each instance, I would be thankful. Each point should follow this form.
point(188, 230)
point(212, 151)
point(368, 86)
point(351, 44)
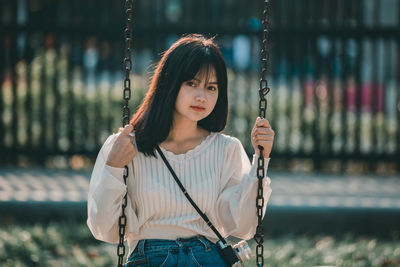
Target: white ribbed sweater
point(217, 175)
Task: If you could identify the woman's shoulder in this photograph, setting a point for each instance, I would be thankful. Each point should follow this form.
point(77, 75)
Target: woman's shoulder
point(230, 145)
point(228, 140)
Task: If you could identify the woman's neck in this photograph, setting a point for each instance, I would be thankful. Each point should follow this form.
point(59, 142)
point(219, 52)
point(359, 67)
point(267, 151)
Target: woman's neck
point(183, 133)
point(181, 139)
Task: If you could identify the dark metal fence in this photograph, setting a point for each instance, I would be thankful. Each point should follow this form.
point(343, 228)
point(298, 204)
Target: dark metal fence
point(335, 84)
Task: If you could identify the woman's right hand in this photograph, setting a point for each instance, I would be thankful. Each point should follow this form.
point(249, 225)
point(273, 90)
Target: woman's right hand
point(123, 150)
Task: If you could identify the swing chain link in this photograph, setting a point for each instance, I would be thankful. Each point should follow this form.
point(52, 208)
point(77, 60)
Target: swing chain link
point(125, 120)
point(263, 91)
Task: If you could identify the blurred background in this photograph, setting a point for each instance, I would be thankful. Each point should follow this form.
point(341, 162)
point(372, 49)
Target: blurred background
point(334, 105)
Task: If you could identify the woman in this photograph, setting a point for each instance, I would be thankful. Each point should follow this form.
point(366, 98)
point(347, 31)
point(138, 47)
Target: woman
point(184, 112)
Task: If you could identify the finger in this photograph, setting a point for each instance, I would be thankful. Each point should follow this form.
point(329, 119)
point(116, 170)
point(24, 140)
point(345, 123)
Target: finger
point(267, 131)
point(263, 123)
point(127, 129)
point(257, 120)
point(264, 138)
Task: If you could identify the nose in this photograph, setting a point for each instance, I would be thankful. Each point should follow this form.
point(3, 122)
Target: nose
point(200, 95)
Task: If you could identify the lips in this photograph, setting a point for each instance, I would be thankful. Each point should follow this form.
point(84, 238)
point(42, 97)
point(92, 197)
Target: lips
point(197, 108)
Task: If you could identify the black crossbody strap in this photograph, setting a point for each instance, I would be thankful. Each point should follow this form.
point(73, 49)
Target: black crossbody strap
point(205, 218)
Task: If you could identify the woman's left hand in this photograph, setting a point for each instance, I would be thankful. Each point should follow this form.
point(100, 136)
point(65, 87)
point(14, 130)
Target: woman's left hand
point(263, 135)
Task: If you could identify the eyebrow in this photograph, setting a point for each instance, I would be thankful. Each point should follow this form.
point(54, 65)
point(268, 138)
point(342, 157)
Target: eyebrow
point(208, 83)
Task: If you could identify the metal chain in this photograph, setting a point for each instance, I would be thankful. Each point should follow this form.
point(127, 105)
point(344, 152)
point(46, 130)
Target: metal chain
point(125, 120)
point(263, 91)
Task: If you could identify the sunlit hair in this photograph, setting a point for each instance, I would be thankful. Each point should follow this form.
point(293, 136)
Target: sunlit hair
point(190, 55)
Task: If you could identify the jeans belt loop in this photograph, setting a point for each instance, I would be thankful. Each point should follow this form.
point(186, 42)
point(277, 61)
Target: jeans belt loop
point(205, 242)
point(141, 247)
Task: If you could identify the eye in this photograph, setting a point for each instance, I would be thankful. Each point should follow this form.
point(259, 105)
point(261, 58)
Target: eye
point(212, 88)
point(190, 83)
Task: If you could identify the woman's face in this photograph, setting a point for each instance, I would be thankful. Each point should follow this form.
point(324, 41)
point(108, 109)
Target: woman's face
point(197, 98)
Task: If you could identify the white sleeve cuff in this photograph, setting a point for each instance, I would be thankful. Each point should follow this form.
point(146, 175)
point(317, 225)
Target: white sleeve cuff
point(254, 165)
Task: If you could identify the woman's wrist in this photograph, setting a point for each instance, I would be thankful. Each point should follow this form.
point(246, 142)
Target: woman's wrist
point(265, 155)
point(113, 165)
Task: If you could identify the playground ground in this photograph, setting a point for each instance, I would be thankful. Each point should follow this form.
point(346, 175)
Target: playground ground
point(311, 220)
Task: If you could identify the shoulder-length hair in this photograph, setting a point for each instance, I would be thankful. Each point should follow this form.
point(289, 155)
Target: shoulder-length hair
point(181, 62)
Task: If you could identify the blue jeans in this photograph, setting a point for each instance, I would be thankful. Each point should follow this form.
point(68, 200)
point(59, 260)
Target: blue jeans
point(183, 252)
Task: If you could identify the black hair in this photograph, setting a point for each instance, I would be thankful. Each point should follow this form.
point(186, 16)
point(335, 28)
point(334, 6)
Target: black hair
point(185, 58)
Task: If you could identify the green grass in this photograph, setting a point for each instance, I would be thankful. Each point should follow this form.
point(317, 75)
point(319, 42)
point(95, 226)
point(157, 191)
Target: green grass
point(71, 244)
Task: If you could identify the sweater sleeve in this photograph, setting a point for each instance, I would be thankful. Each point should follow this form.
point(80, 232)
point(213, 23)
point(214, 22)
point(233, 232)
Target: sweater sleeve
point(236, 204)
point(106, 192)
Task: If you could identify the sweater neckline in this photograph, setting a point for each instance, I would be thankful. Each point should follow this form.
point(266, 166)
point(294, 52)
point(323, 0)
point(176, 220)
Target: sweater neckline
point(191, 152)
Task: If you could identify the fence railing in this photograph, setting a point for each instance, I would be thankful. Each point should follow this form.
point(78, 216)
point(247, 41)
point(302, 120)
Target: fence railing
point(335, 89)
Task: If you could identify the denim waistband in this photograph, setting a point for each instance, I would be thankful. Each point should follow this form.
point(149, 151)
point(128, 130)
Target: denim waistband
point(162, 244)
